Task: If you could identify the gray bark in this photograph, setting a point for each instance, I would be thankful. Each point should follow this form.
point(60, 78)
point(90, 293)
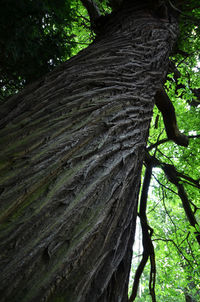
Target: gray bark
point(72, 148)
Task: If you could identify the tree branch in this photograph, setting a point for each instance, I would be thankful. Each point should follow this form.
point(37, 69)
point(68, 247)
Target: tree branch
point(177, 247)
point(173, 176)
point(148, 248)
point(186, 205)
point(166, 107)
point(190, 180)
point(93, 10)
point(166, 210)
point(164, 140)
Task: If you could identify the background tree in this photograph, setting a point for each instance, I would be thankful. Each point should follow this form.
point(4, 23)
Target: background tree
point(73, 145)
point(35, 37)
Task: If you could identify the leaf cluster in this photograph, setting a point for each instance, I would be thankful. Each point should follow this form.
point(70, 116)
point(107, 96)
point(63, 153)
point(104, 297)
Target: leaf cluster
point(35, 37)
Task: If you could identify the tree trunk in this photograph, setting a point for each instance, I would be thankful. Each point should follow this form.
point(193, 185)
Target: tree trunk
point(71, 156)
point(189, 298)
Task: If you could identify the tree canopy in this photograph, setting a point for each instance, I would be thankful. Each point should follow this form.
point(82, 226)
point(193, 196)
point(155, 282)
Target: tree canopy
point(36, 36)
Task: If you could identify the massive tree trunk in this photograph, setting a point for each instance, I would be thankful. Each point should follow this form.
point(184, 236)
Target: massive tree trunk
point(72, 148)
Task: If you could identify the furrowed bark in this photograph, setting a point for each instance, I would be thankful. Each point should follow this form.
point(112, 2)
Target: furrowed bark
point(72, 147)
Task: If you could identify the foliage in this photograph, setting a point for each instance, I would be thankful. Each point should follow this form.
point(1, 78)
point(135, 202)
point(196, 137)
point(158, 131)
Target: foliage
point(174, 239)
point(35, 37)
point(176, 248)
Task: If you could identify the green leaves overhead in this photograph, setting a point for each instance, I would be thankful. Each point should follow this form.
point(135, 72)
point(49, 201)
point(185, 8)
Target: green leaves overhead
point(35, 37)
point(174, 238)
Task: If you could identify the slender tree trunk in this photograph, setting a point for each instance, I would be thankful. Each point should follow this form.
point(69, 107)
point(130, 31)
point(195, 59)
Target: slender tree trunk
point(71, 156)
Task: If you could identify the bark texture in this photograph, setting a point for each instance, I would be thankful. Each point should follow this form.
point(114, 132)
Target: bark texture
point(72, 147)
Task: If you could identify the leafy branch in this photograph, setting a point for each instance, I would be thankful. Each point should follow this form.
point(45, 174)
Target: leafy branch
point(174, 177)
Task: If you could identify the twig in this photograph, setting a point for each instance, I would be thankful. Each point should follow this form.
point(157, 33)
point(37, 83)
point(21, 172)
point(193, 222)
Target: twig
point(169, 214)
point(177, 247)
point(173, 177)
point(162, 141)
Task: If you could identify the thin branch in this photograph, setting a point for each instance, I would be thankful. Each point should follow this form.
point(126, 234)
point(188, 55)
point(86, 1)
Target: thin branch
point(193, 256)
point(195, 207)
point(177, 247)
point(190, 180)
point(188, 234)
point(192, 184)
point(167, 188)
point(162, 141)
point(84, 18)
point(173, 176)
point(153, 207)
point(186, 56)
point(189, 213)
point(167, 157)
point(194, 136)
point(166, 210)
point(165, 140)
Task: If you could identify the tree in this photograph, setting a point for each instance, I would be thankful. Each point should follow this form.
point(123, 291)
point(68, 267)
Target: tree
point(73, 145)
point(35, 38)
